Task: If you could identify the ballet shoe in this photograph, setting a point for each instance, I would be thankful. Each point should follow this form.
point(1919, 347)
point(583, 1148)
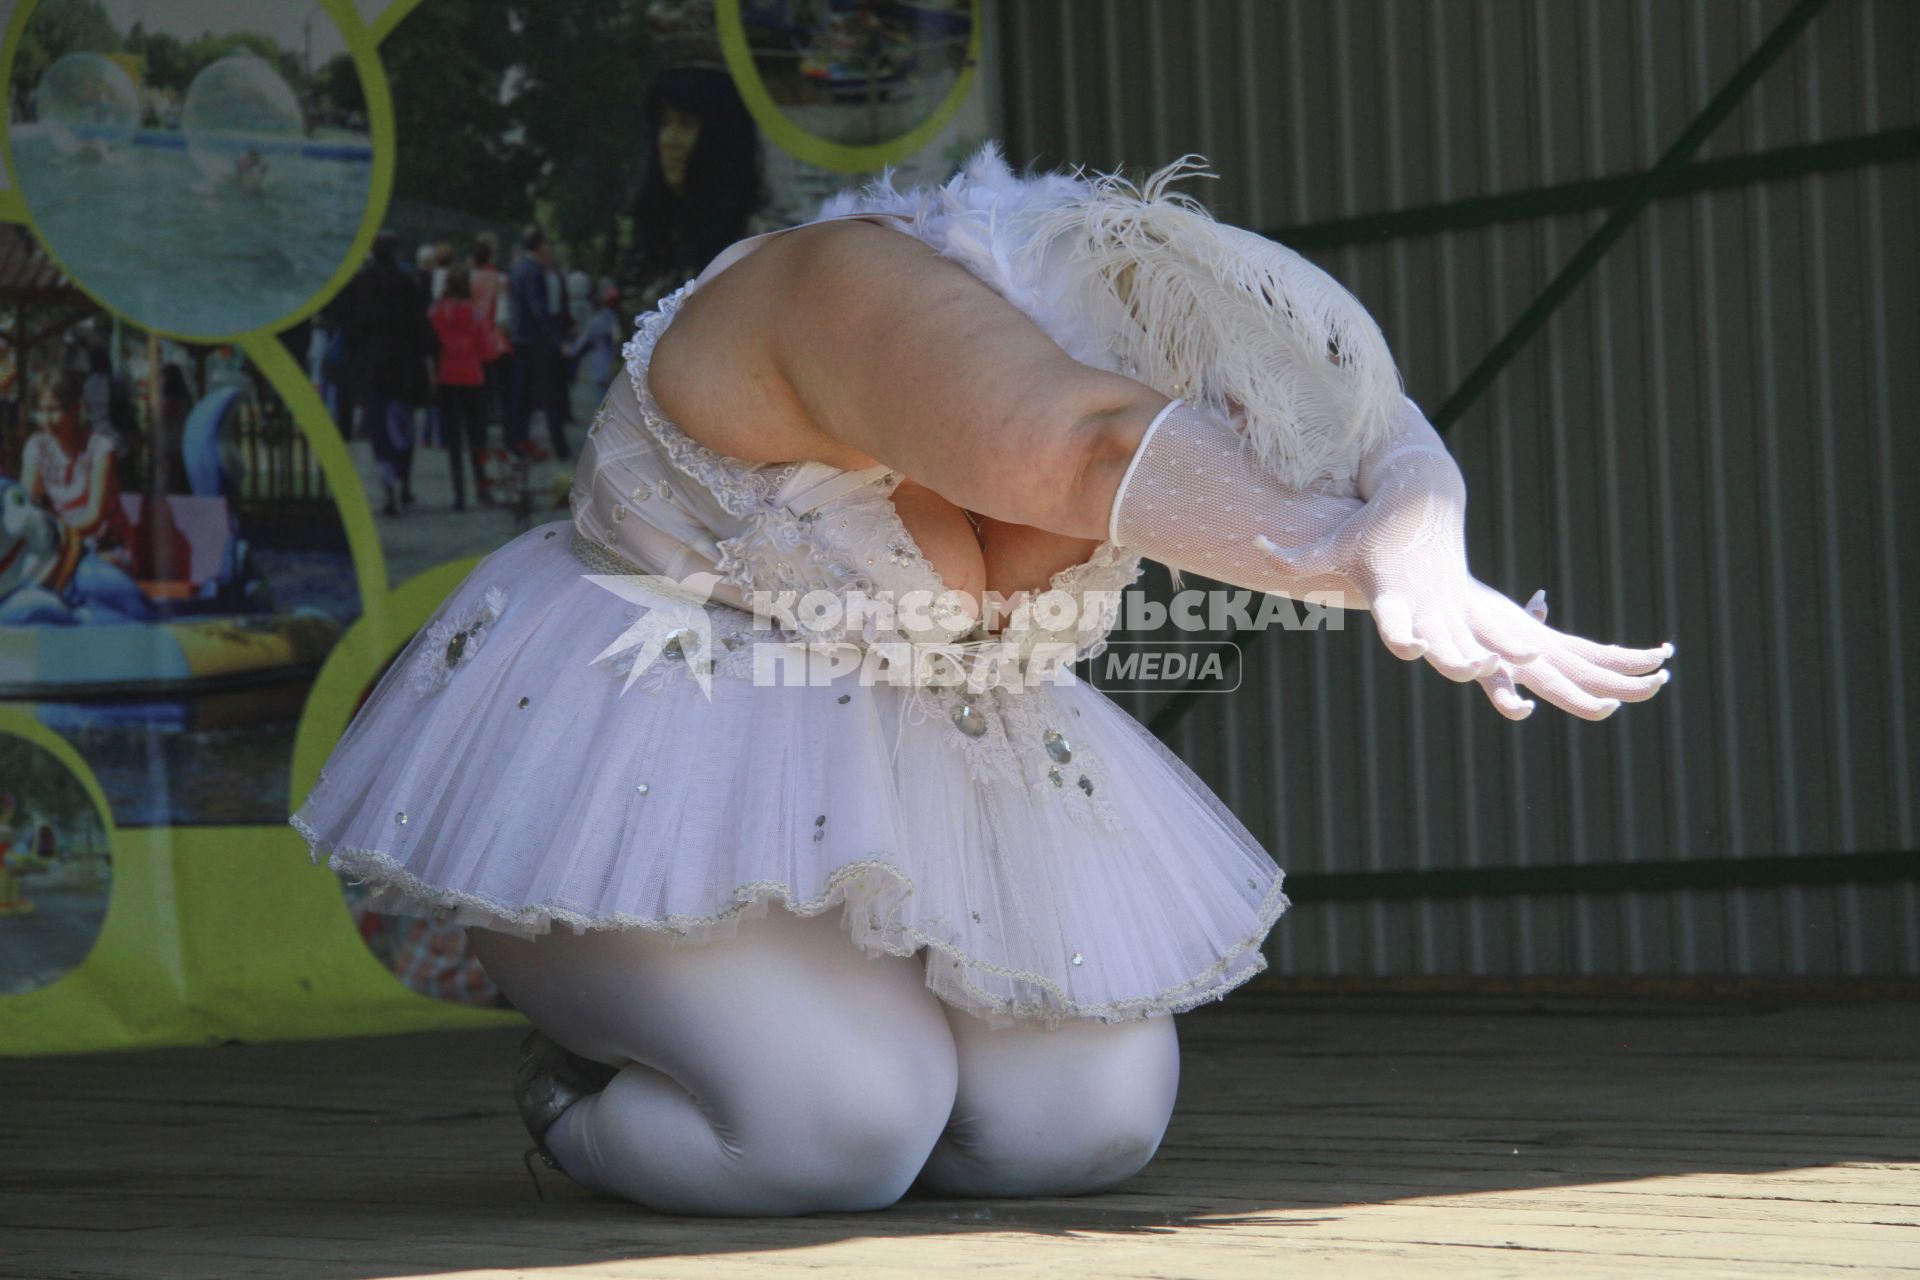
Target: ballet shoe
point(551, 1079)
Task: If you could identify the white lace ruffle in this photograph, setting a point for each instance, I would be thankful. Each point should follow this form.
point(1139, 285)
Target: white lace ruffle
point(869, 894)
point(742, 488)
point(1100, 580)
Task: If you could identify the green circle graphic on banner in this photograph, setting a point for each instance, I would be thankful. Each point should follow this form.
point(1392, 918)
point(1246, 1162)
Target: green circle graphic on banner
point(237, 204)
point(860, 90)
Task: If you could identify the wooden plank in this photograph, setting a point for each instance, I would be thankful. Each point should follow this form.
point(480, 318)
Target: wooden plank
point(1319, 1136)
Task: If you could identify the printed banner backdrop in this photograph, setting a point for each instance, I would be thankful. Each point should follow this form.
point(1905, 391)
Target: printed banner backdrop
point(237, 239)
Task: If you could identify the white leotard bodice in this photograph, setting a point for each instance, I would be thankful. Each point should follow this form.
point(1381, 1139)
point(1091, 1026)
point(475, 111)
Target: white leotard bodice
point(664, 504)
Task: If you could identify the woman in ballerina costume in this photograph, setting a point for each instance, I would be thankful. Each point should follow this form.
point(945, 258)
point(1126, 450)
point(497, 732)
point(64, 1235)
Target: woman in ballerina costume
point(797, 943)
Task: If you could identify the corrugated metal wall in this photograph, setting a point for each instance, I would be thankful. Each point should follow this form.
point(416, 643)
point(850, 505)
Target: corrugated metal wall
point(1713, 442)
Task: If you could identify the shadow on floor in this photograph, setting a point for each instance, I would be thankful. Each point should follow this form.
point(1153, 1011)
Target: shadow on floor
point(401, 1156)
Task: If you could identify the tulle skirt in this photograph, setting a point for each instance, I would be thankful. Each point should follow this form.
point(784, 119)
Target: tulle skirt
point(1049, 855)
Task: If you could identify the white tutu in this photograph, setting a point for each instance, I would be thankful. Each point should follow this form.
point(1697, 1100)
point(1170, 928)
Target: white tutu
point(516, 789)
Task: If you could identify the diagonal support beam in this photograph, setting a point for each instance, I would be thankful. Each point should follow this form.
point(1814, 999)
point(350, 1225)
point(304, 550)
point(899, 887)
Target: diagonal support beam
point(1656, 180)
point(1617, 223)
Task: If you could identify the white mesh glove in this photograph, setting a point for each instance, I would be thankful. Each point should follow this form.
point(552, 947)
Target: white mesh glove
point(1193, 500)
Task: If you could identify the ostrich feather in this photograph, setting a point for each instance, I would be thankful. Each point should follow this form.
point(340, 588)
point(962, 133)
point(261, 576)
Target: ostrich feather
point(1232, 320)
point(1142, 280)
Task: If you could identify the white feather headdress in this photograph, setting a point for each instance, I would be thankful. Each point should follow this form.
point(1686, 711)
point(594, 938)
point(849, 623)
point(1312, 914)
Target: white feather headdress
point(1142, 280)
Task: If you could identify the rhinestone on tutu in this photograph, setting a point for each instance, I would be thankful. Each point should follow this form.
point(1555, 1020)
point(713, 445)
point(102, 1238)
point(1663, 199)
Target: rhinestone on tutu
point(820, 821)
point(1086, 784)
point(642, 789)
point(969, 720)
point(641, 492)
point(456, 648)
point(1078, 958)
point(1058, 748)
point(525, 703)
point(401, 817)
point(619, 511)
point(1057, 778)
point(844, 699)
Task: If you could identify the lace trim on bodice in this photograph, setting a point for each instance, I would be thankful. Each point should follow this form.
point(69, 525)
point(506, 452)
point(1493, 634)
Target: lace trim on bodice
point(1102, 576)
point(742, 488)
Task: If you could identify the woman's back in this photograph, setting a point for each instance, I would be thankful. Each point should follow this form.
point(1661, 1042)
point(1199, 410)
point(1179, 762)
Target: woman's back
point(462, 338)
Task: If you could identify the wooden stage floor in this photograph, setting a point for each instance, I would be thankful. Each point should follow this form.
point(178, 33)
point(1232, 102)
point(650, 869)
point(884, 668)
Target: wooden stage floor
point(1313, 1136)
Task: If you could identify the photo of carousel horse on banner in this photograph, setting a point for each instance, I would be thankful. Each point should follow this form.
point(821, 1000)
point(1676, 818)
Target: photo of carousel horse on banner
point(172, 569)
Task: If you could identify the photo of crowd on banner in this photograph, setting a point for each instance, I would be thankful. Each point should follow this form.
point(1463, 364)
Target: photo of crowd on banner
point(465, 358)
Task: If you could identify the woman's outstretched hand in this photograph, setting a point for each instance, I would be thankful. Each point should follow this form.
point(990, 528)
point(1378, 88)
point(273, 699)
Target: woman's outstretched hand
point(1404, 551)
point(1581, 677)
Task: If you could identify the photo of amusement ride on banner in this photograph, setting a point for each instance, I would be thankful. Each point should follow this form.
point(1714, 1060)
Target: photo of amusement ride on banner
point(172, 566)
point(858, 72)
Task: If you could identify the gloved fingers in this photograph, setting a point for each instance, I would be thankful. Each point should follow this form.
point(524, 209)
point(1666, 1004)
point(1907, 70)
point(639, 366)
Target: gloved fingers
point(1510, 630)
point(1622, 661)
point(1485, 661)
point(1504, 627)
point(1549, 682)
point(1505, 698)
point(1394, 617)
point(1631, 662)
point(1444, 653)
point(1602, 683)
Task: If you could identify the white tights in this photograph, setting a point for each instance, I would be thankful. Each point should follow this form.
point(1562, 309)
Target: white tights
point(785, 1071)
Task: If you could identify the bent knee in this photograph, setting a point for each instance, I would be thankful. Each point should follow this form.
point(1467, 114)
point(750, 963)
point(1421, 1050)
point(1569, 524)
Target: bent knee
point(1099, 1153)
point(1081, 1150)
point(858, 1142)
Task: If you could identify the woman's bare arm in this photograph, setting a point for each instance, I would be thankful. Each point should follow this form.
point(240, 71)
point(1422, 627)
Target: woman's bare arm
point(850, 343)
point(30, 477)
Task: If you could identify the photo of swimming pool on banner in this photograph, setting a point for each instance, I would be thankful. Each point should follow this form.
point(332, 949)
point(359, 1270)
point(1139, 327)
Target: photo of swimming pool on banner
point(203, 180)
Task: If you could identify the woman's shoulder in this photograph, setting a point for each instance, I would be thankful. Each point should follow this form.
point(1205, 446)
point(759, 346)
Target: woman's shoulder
point(711, 365)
